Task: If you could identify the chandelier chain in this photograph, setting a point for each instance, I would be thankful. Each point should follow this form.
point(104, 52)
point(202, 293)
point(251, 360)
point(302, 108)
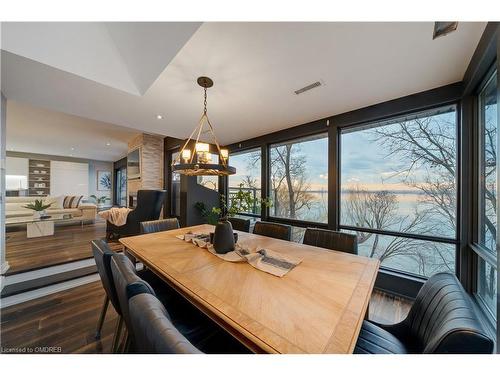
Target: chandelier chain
point(205, 102)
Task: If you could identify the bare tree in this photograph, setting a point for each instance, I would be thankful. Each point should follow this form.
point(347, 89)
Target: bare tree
point(426, 146)
point(379, 210)
point(289, 181)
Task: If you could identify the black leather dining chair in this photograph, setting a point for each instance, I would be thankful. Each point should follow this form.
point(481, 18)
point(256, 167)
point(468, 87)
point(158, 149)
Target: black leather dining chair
point(192, 323)
point(332, 240)
point(126, 283)
point(153, 329)
point(274, 230)
point(441, 320)
point(102, 255)
point(243, 225)
point(161, 225)
point(149, 204)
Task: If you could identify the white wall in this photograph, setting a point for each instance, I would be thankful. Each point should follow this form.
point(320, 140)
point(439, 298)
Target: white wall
point(16, 171)
point(16, 166)
point(68, 178)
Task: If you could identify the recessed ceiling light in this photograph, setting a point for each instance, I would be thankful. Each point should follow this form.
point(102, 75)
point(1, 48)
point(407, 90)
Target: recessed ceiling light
point(108, 144)
point(159, 117)
point(72, 149)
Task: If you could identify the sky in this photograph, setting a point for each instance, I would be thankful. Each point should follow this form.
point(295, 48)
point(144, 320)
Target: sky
point(363, 162)
point(316, 152)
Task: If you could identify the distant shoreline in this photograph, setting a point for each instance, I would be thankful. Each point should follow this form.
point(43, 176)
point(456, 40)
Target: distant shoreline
point(345, 191)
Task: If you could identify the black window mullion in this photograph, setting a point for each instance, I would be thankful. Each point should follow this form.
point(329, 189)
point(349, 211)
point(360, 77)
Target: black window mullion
point(333, 176)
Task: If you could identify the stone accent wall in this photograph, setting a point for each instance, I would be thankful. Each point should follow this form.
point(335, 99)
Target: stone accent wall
point(151, 163)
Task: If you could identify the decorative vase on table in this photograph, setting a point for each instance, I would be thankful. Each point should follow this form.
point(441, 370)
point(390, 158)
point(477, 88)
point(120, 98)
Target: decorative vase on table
point(223, 237)
point(39, 214)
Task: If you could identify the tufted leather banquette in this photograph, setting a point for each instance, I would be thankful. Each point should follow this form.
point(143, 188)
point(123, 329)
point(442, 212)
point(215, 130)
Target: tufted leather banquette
point(441, 320)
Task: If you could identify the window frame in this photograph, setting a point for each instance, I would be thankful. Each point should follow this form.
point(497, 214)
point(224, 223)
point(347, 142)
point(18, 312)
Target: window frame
point(445, 240)
point(290, 221)
point(479, 251)
point(399, 283)
point(226, 193)
point(168, 207)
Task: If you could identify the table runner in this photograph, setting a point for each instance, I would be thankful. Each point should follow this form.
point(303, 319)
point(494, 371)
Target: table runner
point(262, 259)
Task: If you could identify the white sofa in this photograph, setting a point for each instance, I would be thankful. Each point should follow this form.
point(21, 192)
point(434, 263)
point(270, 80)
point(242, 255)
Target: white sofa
point(14, 207)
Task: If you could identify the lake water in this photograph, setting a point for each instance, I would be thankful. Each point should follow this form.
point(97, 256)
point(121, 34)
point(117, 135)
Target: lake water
point(413, 256)
point(417, 257)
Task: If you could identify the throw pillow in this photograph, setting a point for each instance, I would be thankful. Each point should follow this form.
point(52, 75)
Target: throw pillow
point(72, 201)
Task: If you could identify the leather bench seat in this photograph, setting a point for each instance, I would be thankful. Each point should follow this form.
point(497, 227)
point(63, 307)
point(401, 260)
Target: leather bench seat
point(375, 340)
point(442, 320)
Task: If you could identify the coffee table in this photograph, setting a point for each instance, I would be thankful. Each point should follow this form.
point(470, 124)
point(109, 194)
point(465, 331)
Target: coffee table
point(36, 227)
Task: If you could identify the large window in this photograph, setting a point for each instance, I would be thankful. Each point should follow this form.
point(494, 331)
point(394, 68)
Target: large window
point(399, 183)
point(299, 179)
point(487, 199)
point(246, 179)
point(175, 190)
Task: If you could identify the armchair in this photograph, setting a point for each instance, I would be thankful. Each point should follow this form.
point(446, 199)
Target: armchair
point(149, 204)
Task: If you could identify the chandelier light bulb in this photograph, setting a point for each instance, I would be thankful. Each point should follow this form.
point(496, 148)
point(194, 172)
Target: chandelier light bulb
point(202, 147)
point(224, 152)
point(186, 155)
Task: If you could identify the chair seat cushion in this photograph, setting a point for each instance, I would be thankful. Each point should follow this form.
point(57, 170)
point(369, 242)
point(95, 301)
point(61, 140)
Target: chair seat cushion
point(375, 340)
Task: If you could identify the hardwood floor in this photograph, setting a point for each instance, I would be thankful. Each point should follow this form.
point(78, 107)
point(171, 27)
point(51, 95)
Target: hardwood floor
point(388, 309)
point(69, 243)
point(67, 320)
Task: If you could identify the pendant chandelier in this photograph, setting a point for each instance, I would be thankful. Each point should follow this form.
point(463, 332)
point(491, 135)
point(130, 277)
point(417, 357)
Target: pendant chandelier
point(195, 155)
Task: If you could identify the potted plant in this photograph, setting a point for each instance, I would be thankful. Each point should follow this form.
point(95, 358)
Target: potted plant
point(242, 201)
point(100, 201)
point(38, 208)
point(212, 215)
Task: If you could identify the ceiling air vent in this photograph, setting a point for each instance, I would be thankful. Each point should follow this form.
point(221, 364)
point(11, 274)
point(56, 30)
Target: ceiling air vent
point(443, 28)
point(308, 87)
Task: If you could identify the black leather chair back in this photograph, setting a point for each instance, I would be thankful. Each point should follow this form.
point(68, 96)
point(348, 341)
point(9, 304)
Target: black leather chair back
point(153, 330)
point(159, 225)
point(102, 255)
point(242, 225)
point(127, 283)
point(148, 207)
point(329, 239)
point(274, 230)
point(442, 319)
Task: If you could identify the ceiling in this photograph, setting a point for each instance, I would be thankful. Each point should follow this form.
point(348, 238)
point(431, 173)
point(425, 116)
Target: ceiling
point(43, 131)
point(128, 73)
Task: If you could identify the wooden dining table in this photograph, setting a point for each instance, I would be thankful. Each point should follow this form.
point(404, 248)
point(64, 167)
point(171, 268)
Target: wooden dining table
point(317, 307)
